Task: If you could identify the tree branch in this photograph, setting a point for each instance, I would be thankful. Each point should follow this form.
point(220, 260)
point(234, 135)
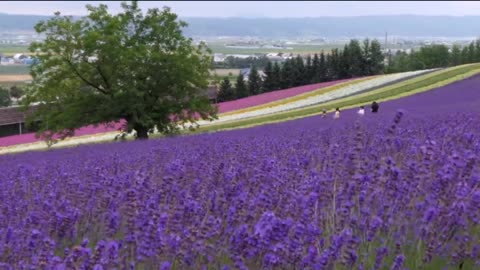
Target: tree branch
point(103, 77)
point(83, 79)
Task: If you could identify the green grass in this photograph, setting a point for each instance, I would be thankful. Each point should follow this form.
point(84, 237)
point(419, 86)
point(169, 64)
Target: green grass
point(390, 92)
point(14, 70)
point(13, 49)
point(10, 84)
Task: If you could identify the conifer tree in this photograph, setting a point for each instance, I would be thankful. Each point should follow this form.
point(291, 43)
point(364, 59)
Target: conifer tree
point(322, 68)
point(286, 74)
point(240, 87)
point(316, 69)
point(268, 79)
point(276, 76)
point(254, 82)
point(309, 72)
point(227, 92)
point(456, 56)
point(376, 58)
point(299, 71)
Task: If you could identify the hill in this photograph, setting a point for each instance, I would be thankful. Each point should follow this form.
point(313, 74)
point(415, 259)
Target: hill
point(372, 26)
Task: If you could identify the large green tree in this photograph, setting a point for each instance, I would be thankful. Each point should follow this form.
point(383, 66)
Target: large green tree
point(133, 65)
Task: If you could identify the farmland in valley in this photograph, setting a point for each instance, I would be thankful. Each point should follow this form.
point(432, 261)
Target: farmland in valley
point(14, 70)
point(11, 50)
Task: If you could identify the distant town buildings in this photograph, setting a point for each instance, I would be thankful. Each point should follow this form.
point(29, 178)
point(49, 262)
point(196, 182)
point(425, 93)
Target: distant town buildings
point(17, 59)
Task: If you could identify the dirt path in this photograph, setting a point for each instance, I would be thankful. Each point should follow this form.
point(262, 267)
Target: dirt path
point(15, 78)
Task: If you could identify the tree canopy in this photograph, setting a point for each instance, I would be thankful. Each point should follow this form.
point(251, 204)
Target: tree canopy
point(133, 66)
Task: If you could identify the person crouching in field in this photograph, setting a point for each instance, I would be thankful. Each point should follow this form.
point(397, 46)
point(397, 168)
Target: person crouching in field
point(337, 113)
point(375, 107)
point(361, 111)
point(324, 113)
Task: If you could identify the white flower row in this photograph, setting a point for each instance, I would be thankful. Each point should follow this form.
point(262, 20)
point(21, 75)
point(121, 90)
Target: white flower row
point(320, 98)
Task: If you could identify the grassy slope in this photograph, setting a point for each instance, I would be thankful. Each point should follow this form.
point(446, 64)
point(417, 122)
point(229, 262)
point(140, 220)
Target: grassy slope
point(405, 88)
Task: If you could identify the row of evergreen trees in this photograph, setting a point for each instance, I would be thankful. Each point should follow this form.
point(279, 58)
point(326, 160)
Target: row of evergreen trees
point(434, 56)
point(354, 60)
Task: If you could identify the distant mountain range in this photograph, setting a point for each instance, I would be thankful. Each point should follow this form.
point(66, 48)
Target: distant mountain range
point(330, 27)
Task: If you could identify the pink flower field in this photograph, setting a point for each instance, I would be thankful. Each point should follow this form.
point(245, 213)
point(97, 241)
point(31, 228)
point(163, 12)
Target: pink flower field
point(223, 108)
point(243, 103)
point(30, 137)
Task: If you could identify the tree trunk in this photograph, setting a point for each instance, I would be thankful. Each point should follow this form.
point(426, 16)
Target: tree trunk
point(142, 132)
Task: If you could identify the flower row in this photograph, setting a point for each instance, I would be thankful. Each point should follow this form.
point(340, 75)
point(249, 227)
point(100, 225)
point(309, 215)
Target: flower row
point(349, 89)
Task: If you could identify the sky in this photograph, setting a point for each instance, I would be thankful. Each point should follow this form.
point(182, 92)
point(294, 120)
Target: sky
point(272, 9)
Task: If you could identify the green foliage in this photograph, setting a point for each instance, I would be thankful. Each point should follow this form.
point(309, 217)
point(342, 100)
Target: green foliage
point(286, 74)
point(236, 62)
point(315, 69)
point(134, 65)
point(299, 72)
point(309, 72)
point(241, 87)
point(227, 92)
point(5, 100)
point(434, 56)
point(16, 91)
point(269, 80)
point(276, 74)
point(254, 82)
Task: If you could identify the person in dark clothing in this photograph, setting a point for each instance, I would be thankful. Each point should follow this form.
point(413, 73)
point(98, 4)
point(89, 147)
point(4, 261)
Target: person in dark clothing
point(324, 113)
point(375, 107)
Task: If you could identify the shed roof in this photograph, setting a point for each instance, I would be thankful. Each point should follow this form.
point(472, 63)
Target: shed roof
point(13, 115)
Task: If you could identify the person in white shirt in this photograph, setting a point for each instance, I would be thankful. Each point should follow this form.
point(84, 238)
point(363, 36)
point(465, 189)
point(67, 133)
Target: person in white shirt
point(337, 113)
point(361, 111)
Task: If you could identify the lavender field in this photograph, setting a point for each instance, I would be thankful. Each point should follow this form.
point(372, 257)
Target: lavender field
point(395, 190)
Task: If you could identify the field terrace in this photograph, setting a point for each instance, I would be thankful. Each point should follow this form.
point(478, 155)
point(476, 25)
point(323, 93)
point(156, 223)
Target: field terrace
point(224, 107)
point(259, 105)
